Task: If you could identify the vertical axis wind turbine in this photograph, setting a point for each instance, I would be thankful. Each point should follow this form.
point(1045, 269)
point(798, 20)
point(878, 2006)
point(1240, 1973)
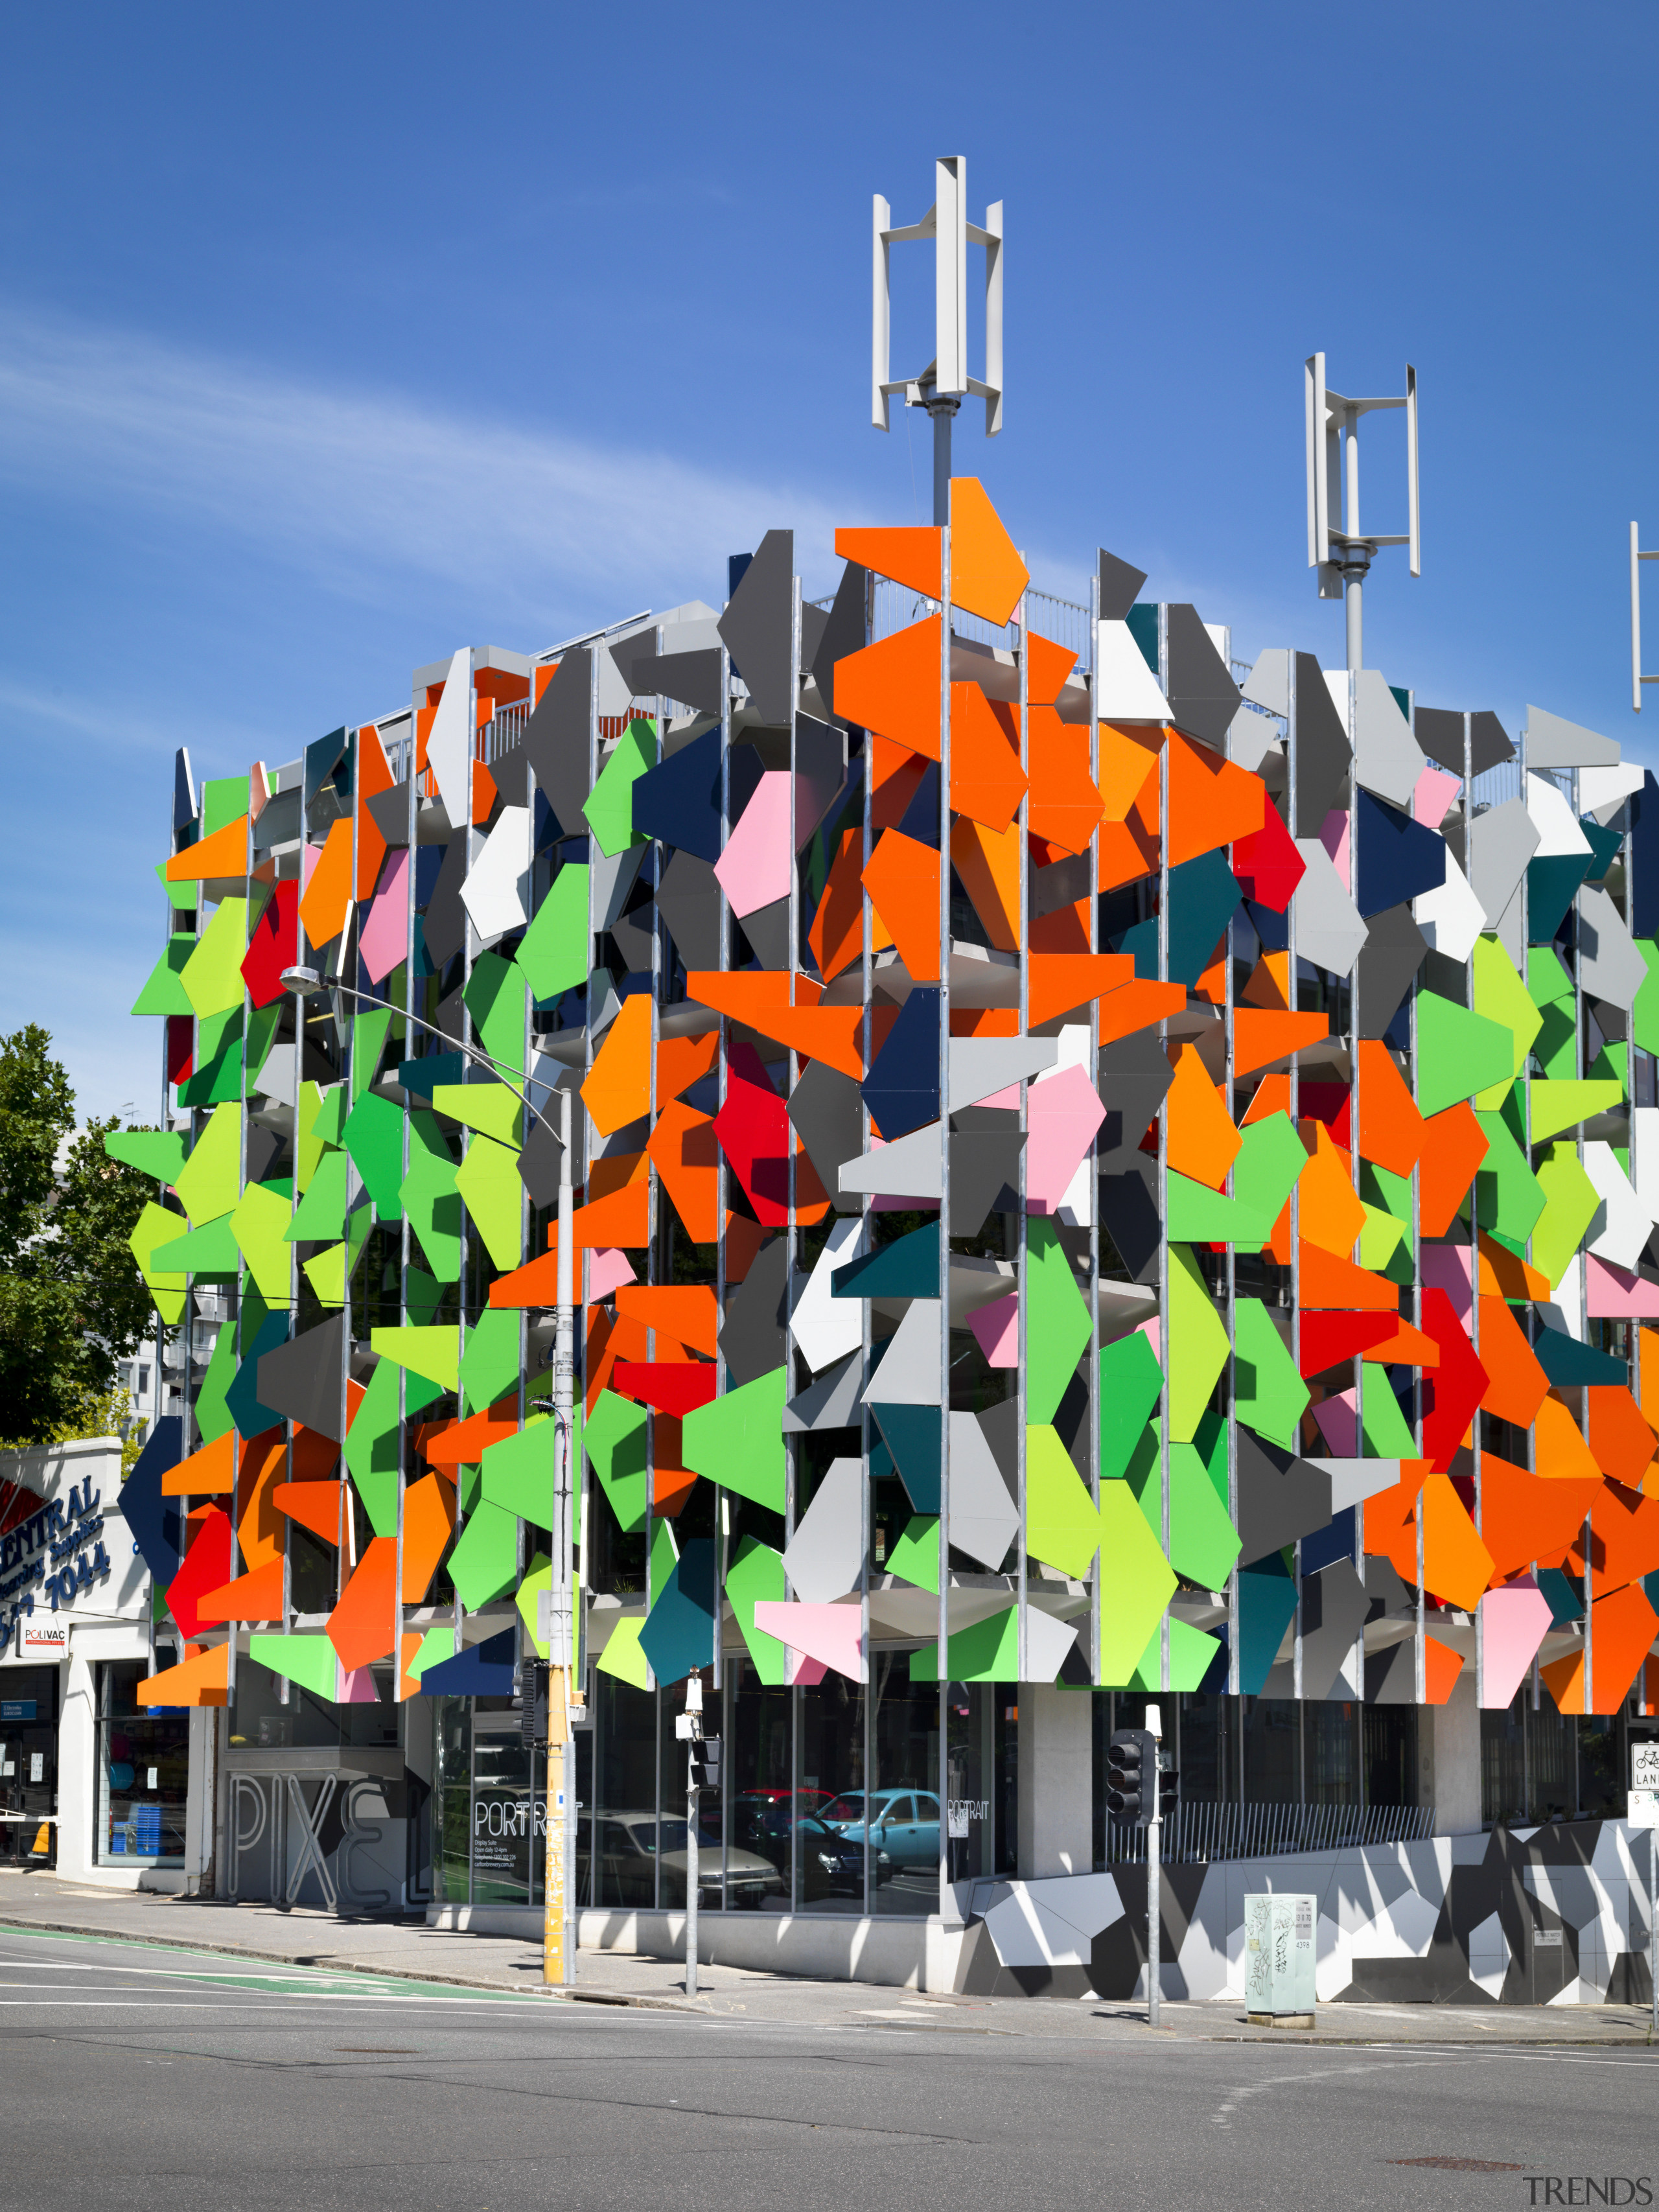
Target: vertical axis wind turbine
point(1343, 553)
point(944, 383)
point(1636, 678)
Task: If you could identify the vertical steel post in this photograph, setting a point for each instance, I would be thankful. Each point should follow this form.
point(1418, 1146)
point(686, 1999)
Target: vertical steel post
point(1155, 1875)
point(942, 1779)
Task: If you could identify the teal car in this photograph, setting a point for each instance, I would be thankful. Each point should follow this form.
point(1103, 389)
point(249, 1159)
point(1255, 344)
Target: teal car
point(904, 1823)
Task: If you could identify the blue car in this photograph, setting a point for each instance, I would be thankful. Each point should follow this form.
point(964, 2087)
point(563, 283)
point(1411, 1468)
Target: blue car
point(904, 1823)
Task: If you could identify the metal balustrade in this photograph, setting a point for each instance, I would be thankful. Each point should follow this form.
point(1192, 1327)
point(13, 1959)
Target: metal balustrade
point(1197, 1833)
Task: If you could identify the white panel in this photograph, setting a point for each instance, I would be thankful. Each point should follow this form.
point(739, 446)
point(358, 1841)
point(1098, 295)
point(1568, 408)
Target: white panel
point(1125, 688)
point(826, 1327)
point(448, 745)
point(496, 892)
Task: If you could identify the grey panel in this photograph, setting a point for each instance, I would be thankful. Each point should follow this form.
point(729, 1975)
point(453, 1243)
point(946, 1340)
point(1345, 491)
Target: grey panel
point(1268, 684)
point(1490, 742)
point(1329, 928)
point(753, 1340)
point(824, 1559)
point(820, 773)
point(1323, 754)
point(984, 1519)
point(1611, 967)
point(1128, 1211)
point(825, 1109)
point(541, 1162)
point(1280, 1498)
point(1000, 1425)
point(1135, 1074)
point(813, 623)
point(693, 678)
point(610, 884)
point(689, 900)
point(1203, 697)
point(1119, 587)
point(980, 1066)
point(1554, 743)
point(301, 1378)
point(390, 810)
point(1333, 1607)
point(768, 932)
point(556, 739)
point(1502, 842)
point(634, 933)
point(984, 1171)
point(1353, 1480)
point(1388, 759)
point(831, 1402)
point(758, 625)
point(908, 1373)
point(443, 926)
point(1439, 732)
point(1394, 953)
point(510, 774)
point(843, 633)
point(1063, 882)
point(911, 1167)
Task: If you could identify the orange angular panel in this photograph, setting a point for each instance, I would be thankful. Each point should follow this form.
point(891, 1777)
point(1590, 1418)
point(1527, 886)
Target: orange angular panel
point(1517, 1386)
point(255, 1597)
point(1619, 1435)
point(200, 1679)
point(1624, 1538)
point(987, 861)
point(363, 1626)
point(614, 1172)
point(428, 1523)
point(1328, 1279)
point(1456, 1566)
point(892, 687)
point(1136, 1006)
point(1064, 930)
point(223, 853)
point(1212, 801)
point(1621, 1629)
point(409, 1684)
point(987, 577)
point(1269, 986)
point(1065, 806)
point(1390, 1518)
point(671, 1481)
point(1203, 1142)
point(209, 1473)
point(911, 558)
point(1392, 1132)
point(463, 1444)
point(836, 936)
point(1331, 1213)
point(1406, 1347)
point(1454, 1146)
point(759, 998)
point(1441, 1667)
point(618, 1087)
point(682, 1061)
point(1524, 1517)
point(1047, 667)
point(1261, 1037)
point(314, 1505)
point(1559, 1452)
point(1059, 980)
point(896, 774)
point(684, 1152)
point(1129, 767)
point(687, 1311)
point(986, 781)
point(1272, 1096)
point(1125, 854)
point(328, 895)
point(485, 790)
point(260, 1531)
point(903, 880)
point(1505, 1274)
point(374, 777)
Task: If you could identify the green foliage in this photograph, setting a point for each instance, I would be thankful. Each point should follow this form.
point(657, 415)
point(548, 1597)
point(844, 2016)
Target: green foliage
point(72, 1302)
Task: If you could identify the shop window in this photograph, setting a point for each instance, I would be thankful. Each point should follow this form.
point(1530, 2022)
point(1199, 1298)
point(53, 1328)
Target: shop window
point(143, 1769)
point(831, 1813)
point(904, 1788)
point(757, 1750)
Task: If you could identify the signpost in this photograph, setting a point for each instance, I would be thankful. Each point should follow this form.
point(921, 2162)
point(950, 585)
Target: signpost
point(1642, 1812)
point(565, 1685)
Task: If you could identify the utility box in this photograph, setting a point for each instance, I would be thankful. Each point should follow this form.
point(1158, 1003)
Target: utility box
point(1279, 1959)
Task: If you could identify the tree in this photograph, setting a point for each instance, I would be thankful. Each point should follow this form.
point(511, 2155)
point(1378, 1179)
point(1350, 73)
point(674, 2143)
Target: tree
point(72, 1301)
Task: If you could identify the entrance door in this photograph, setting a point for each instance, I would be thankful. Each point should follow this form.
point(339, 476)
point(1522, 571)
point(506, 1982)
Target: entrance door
point(29, 1787)
point(13, 1767)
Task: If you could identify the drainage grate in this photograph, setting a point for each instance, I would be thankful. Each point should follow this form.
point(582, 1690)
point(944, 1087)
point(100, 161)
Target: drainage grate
point(1462, 2165)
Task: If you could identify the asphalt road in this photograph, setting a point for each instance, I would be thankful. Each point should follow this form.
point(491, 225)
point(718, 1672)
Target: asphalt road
point(133, 2076)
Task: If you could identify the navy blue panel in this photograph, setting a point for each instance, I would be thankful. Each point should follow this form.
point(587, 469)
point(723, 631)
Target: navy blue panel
point(920, 818)
point(1645, 852)
point(902, 1089)
point(322, 759)
point(1395, 858)
point(1334, 1542)
point(480, 1670)
point(679, 799)
point(1274, 929)
point(154, 1520)
point(737, 567)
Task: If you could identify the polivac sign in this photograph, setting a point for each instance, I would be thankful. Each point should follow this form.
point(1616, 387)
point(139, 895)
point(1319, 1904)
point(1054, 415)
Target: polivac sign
point(52, 1557)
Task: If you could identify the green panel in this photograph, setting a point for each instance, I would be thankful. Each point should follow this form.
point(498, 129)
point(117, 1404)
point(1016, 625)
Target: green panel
point(181, 898)
point(368, 1035)
point(610, 808)
point(1062, 1527)
point(321, 1213)
point(1644, 1016)
point(664, 1557)
point(308, 1144)
point(329, 1128)
point(210, 1181)
point(1611, 1065)
point(622, 1656)
point(1203, 1542)
point(1136, 1583)
point(212, 976)
point(225, 800)
point(538, 1577)
point(430, 1199)
point(157, 1226)
point(1131, 1383)
point(374, 1138)
point(1269, 1166)
point(1196, 1214)
point(326, 1271)
point(914, 1558)
point(1381, 1238)
point(438, 1643)
point(1458, 1053)
point(210, 1250)
point(309, 1661)
point(1507, 1197)
point(554, 953)
point(260, 1225)
point(1570, 1200)
point(489, 1107)
point(434, 1353)
point(1380, 1186)
point(213, 1416)
point(1558, 1106)
point(615, 1441)
point(489, 1183)
point(1550, 989)
point(484, 1562)
point(495, 998)
point(1271, 1396)
point(164, 993)
point(738, 1440)
point(1192, 1654)
point(521, 1472)
point(1501, 996)
point(1197, 1350)
point(1057, 1325)
point(987, 1652)
point(755, 1577)
point(218, 1062)
point(1385, 1432)
point(373, 1454)
point(491, 1366)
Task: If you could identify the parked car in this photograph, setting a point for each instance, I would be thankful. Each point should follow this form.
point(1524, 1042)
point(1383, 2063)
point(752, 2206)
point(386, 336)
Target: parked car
point(902, 1823)
point(831, 1862)
point(631, 1844)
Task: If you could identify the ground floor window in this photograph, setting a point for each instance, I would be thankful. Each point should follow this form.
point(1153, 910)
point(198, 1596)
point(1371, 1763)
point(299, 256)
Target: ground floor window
point(143, 1771)
point(1538, 1764)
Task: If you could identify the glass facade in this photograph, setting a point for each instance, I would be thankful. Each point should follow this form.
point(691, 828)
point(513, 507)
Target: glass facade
point(143, 1773)
point(1539, 1766)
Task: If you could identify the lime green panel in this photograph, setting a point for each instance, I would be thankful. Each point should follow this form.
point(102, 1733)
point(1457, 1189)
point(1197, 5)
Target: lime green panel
point(1379, 1239)
point(492, 1364)
point(1458, 1053)
point(429, 1198)
point(1192, 1654)
point(157, 1226)
point(217, 1080)
point(1062, 1527)
point(434, 1353)
point(554, 954)
point(326, 1271)
point(368, 1035)
point(308, 1144)
point(310, 1661)
point(519, 1473)
point(987, 1652)
point(1570, 1200)
point(1550, 987)
point(1393, 1193)
point(373, 1454)
point(491, 1189)
point(1644, 1017)
point(158, 1152)
point(1502, 997)
point(664, 1556)
point(164, 992)
point(213, 1416)
point(373, 1136)
point(209, 1183)
point(489, 1107)
point(1269, 1166)
point(321, 1213)
point(1203, 1542)
point(1383, 1427)
point(914, 1558)
point(1196, 1214)
point(538, 1577)
point(615, 1440)
point(1558, 1106)
point(225, 800)
point(1197, 1350)
point(738, 1440)
point(260, 1225)
point(212, 976)
point(495, 999)
point(622, 1656)
point(1271, 1396)
point(210, 1250)
point(484, 1564)
point(438, 1643)
point(181, 898)
point(756, 1577)
point(1507, 1197)
point(1057, 1326)
point(329, 1128)
point(610, 808)
point(1136, 1583)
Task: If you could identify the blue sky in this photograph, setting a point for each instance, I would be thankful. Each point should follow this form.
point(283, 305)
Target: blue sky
point(333, 338)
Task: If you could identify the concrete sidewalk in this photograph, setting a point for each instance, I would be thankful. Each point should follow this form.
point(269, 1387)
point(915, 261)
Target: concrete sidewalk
point(408, 1950)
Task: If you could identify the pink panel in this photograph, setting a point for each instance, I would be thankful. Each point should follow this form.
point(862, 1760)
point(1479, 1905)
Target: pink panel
point(754, 869)
point(309, 856)
point(1448, 1268)
point(1613, 1294)
point(799, 1668)
point(1338, 1425)
point(357, 1688)
point(1063, 1113)
point(385, 933)
point(830, 1633)
point(608, 1270)
point(1008, 1099)
point(1513, 1623)
point(1435, 793)
point(996, 1328)
point(1333, 836)
point(1153, 1333)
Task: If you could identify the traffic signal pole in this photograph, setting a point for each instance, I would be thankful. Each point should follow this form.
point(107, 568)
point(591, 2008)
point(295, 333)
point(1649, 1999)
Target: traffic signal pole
point(1154, 1870)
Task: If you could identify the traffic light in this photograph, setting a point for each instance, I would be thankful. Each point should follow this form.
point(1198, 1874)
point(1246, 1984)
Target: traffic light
point(1168, 1785)
point(1133, 1755)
